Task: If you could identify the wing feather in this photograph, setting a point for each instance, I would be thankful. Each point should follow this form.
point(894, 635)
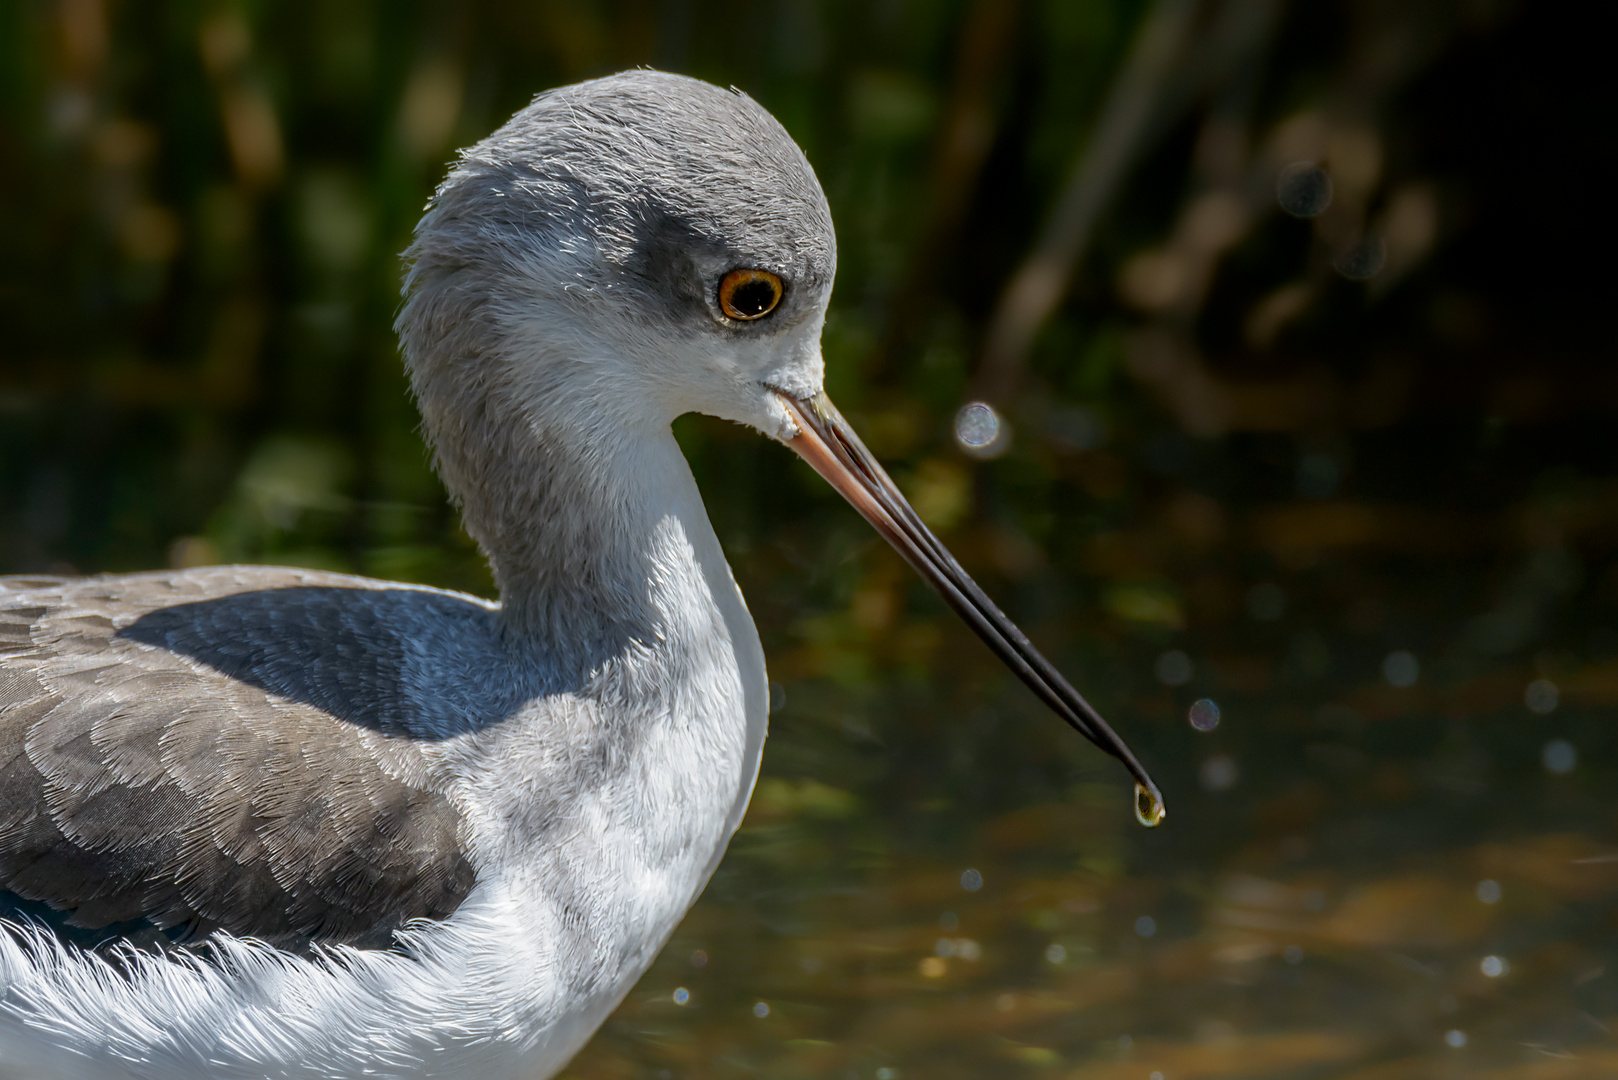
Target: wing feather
point(139, 783)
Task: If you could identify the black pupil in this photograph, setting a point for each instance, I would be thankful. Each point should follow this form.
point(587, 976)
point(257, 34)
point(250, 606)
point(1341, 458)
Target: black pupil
point(752, 298)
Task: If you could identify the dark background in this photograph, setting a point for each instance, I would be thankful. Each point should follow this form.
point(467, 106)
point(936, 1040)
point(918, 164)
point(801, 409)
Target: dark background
point(1350, 476)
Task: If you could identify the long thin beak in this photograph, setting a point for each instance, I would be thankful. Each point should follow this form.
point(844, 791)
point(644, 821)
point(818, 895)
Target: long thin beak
point(827, 443)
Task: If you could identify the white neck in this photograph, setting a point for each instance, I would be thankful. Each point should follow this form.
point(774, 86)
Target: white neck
point(631, 780)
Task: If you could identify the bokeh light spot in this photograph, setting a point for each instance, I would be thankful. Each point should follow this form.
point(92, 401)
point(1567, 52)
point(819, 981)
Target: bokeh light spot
point(1542, 696)
point(1560, 756)
point(980, 431)
point(1401, 669)
point(1303, 189)
point(1203, 714)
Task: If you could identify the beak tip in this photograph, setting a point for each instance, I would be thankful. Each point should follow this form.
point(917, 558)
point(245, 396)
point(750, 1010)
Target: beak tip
point(1149, 808)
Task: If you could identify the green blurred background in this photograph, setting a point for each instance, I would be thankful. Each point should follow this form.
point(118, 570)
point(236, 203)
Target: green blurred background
point(1342, 465)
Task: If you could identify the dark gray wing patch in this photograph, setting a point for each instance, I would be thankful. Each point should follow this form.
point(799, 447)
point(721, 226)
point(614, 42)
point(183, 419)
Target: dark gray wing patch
point(138, 782)
point(374, 657)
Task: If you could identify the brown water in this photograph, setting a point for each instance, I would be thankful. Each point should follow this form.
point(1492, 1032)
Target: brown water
point(1051, 939)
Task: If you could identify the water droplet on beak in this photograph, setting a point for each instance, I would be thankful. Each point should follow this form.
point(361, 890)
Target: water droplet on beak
point(1149, 809)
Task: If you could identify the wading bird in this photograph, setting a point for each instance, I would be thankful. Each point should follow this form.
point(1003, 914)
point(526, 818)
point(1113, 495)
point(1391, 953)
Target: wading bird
point(272, 822)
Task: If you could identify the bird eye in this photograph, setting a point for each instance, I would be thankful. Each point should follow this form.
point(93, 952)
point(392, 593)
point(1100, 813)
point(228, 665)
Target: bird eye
point(749, 294)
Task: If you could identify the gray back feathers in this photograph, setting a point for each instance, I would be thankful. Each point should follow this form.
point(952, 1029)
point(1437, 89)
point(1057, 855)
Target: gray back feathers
point(164, 756)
